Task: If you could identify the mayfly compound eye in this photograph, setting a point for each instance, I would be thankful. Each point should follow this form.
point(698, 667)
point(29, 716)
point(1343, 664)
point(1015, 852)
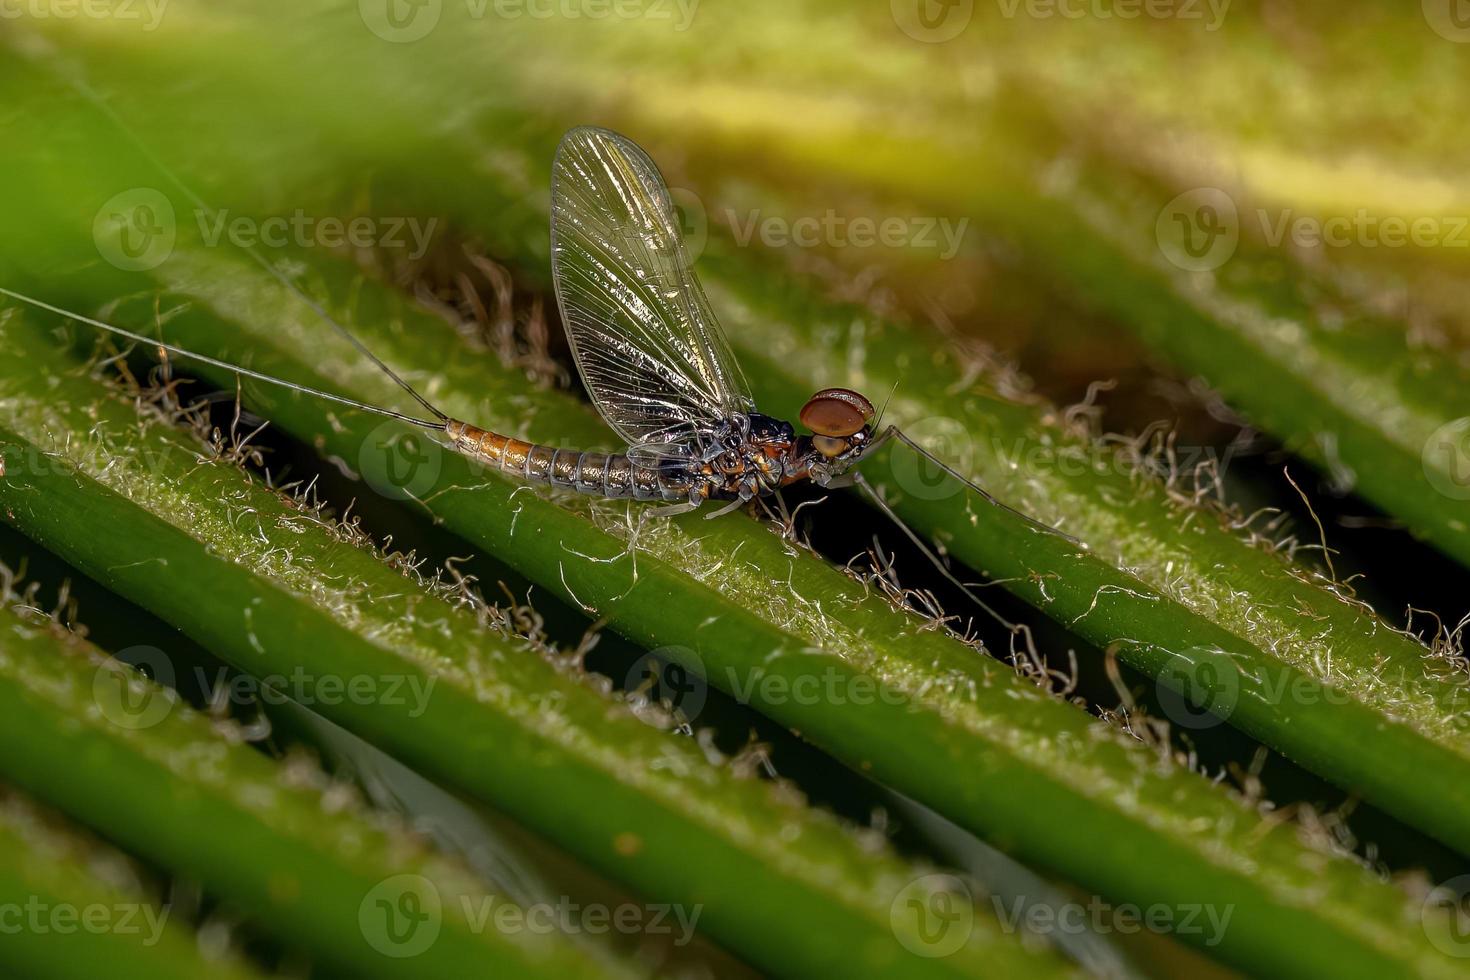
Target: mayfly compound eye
point(836, 412)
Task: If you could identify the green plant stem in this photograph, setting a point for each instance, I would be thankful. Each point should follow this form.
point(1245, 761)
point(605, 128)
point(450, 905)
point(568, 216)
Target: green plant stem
point(1180, 592)
point(267, 585)
point(730, 600)
point(1045, 770)
point(65, 913)
point(111, 748)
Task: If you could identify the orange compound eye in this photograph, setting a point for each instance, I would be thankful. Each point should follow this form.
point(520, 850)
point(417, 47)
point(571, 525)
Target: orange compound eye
point(836, 412)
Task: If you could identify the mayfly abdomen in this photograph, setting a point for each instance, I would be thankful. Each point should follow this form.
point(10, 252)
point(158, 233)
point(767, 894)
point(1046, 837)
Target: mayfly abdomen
point(594, 473)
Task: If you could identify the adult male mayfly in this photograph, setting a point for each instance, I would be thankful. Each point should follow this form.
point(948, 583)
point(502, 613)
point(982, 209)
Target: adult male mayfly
point(651, 353)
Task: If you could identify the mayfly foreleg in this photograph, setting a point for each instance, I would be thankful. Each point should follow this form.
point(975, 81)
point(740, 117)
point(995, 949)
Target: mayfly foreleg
point(674, 510)
point(939, 564)
point(894, 432)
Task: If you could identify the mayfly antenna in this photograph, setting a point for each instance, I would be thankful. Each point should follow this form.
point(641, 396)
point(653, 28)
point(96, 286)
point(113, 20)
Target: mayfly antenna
point(101, 104)
point(205, 359)
point(878, 422)
point(935, 560)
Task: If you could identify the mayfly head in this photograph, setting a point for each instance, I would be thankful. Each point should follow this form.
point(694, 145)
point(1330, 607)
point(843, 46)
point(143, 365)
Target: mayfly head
point(841, 421)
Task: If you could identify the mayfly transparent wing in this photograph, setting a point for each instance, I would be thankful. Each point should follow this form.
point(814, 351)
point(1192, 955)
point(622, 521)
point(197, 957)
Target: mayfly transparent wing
point(645, 339)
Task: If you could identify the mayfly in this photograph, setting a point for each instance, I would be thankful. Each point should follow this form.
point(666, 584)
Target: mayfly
point(652, 356)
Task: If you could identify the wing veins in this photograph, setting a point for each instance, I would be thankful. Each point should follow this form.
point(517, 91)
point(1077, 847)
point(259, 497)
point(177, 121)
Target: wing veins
point(646, 342)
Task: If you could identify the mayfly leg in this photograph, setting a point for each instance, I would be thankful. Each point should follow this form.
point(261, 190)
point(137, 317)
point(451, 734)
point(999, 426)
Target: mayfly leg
point(939, 564)
point(894, 432)
point(857, 478)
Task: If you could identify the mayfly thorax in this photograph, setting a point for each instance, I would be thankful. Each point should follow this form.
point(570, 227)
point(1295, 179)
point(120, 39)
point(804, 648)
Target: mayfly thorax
point(652, 355)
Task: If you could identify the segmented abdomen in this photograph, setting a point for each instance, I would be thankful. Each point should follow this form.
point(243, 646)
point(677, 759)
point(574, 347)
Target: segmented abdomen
point(598, 474)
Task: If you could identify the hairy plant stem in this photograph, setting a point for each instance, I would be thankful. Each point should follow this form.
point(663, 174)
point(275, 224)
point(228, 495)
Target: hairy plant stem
point(281, 592)
point(113, 749)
